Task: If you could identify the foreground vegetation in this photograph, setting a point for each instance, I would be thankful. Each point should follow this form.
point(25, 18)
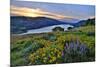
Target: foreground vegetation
point(76, 45)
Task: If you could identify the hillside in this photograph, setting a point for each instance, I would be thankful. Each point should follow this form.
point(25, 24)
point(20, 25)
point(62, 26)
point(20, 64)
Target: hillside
point(85, 22)
point(21, 24)
point(54, 47)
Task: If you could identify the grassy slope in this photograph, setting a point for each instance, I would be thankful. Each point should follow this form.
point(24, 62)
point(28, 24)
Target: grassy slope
point(36, 48)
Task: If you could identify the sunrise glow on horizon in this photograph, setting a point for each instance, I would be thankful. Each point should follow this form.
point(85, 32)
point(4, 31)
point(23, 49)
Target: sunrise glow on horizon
point(29, 12)
point(51, 10)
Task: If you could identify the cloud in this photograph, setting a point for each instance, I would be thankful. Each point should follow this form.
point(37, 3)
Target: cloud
point(24, 11)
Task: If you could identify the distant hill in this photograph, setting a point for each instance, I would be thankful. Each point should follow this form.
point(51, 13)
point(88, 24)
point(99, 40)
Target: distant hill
point(21, 24)
point(71, 20)
point(85, 22)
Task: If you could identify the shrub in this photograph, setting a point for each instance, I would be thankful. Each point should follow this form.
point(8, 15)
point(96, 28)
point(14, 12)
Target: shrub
point(50, 37)
point(91, 33)
point(46, 55)
point(69, 28)
point(76, 52)
point(58, 29)
point(20, 52)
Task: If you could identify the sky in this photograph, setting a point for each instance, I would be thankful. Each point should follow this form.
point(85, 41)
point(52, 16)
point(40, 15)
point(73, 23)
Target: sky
point(51, 10)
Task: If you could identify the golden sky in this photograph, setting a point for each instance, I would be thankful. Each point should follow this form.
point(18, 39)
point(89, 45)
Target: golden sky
point(24, 11)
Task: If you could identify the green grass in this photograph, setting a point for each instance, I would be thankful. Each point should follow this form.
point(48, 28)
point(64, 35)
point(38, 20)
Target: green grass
point(47, 48)
point(85, 29)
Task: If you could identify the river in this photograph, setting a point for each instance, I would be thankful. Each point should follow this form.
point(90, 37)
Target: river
point(47, 29)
